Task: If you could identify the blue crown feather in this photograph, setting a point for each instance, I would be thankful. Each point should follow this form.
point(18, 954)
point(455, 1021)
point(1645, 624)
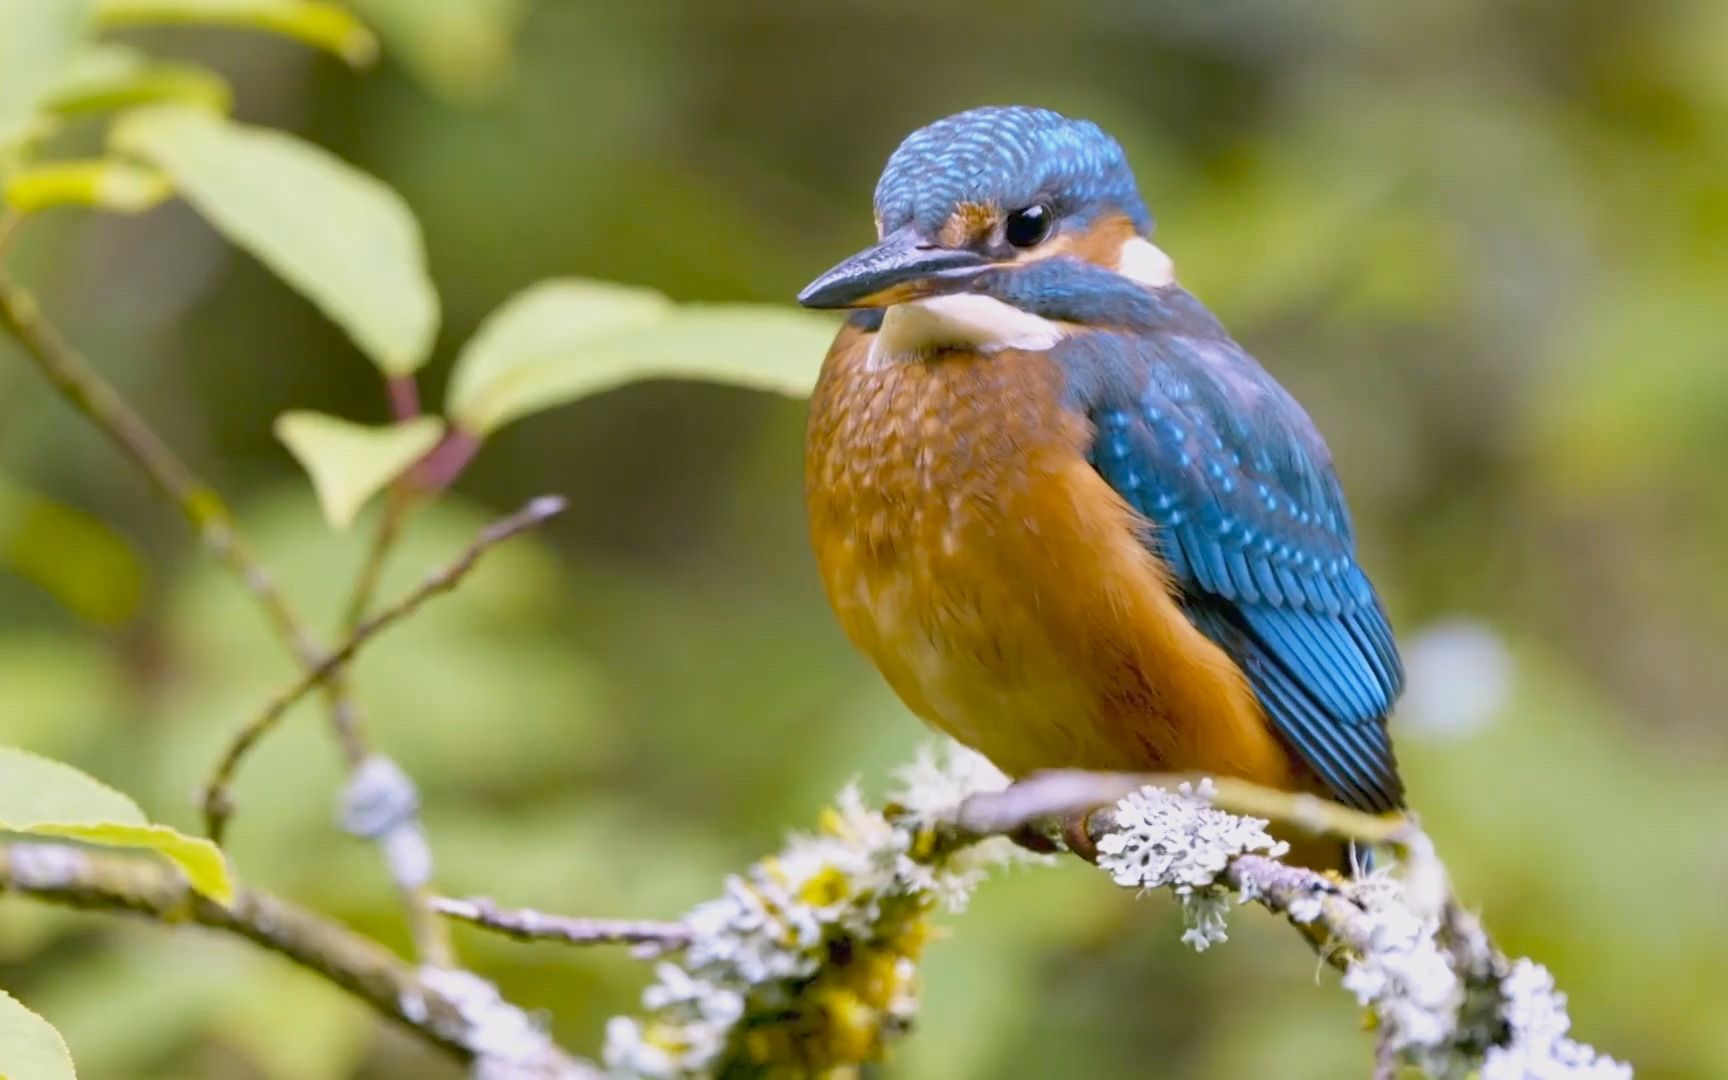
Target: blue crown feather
point(1008, 156)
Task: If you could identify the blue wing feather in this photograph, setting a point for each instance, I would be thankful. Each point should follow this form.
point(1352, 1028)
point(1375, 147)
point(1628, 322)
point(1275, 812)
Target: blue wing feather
point(1250, 518)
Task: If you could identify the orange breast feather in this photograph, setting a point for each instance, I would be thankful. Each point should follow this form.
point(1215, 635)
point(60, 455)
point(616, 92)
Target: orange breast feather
point(998, 582)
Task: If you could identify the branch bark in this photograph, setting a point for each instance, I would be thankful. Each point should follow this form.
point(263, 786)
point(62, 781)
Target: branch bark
point(456, 1011)
point(754, 985)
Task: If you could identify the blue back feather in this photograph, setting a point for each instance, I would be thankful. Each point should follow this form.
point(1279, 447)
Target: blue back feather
point(1250, 518)
point(1223, 463)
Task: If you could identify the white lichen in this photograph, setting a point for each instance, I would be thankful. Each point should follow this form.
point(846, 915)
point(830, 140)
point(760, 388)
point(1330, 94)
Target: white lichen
point(1204, 911)
point(507, 1043)
point(1399, 971)
point(380, 803)
point(808, 961)
point(811, 955)
point(1178, 840)
point(1538, 1047)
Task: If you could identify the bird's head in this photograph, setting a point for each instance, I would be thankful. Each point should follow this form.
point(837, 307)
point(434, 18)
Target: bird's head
point(1000, 207)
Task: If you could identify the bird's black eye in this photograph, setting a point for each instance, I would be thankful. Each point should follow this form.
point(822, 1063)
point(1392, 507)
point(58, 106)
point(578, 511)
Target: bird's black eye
point(1028, 228)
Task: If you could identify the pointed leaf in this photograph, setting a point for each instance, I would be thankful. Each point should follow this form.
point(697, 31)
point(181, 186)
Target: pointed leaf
point(36, 37)
point(30, 1048)
point(41, 797)
point(546, 322)
point(76, 558)
point(322, 25)
point(340, 237)
point(758, 346)
point(103, 76)
point(349, 463)
point(563, 340)
point(103, 183)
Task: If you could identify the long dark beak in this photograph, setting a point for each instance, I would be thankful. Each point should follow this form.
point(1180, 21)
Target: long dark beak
point(902, 267)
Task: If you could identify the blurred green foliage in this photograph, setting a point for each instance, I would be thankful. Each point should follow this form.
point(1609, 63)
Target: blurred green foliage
point(1485, 242)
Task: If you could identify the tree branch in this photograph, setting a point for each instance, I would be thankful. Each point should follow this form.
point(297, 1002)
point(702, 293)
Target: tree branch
point(837, 918)
point(217, 801)
point(198, 503)
point(456, 1011)
point(1051, 797)
point(81, 385)
point(526, 924)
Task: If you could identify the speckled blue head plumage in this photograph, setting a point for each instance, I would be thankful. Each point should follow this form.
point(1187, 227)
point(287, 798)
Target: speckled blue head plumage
point(1007, 156)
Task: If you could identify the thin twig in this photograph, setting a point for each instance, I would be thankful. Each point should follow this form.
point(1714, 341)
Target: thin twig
point(431, 935)
point(217, 800)
point(455, 1011)
point(403, 394)
point(197, 502)
point(10, 220)
point(384, 538)
point(526, 924)
point(203, 508)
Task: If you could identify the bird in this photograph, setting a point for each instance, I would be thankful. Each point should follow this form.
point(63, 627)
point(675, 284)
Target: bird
point(1071, 520)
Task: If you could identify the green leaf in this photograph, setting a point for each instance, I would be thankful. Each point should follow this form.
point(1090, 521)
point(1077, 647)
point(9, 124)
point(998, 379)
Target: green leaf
point(74, 557)
point(340, 237)
point(103, 183)
point(36, 38)
point(102, 77)
point(322, 25)
point(30, 1048)
point(563, 340)
point(461, 49)
point(348, 462)
point(41, 797)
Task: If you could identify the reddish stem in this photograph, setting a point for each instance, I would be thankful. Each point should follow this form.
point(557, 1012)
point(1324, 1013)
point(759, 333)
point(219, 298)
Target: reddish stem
point(445, 462)
point(404, 395)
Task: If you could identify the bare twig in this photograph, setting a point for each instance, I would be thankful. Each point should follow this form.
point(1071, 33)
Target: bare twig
point(10, 220)
point(403, 394)
point(397, 504)
point(217, 801)
point(455, 1011)
point(197, 502)
point(403, 840)
point(526, 924)
point(209, 516)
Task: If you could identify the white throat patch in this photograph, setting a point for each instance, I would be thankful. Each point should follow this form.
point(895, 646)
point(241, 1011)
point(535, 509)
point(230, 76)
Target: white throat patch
point(968, 320)
point(964, 319)
point(1143, 261)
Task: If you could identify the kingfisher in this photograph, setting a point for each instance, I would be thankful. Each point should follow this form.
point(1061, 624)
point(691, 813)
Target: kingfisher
point(1068, 517)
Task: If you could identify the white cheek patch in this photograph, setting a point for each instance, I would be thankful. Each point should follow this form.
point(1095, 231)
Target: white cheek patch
point(964, 319)
point(1144, 262)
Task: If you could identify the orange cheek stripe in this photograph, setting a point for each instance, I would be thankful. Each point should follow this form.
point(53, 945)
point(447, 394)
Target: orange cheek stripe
point(1102, 243)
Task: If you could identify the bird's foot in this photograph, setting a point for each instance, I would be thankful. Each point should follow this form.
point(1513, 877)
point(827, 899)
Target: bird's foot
point(1077, 835)
point(1035, 840)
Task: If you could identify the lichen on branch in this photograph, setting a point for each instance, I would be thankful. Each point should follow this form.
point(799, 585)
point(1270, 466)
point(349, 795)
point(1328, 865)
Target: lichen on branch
point(809, 959)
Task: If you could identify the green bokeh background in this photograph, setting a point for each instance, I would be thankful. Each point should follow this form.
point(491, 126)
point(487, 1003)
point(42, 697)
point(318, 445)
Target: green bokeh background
point(1485, 241)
